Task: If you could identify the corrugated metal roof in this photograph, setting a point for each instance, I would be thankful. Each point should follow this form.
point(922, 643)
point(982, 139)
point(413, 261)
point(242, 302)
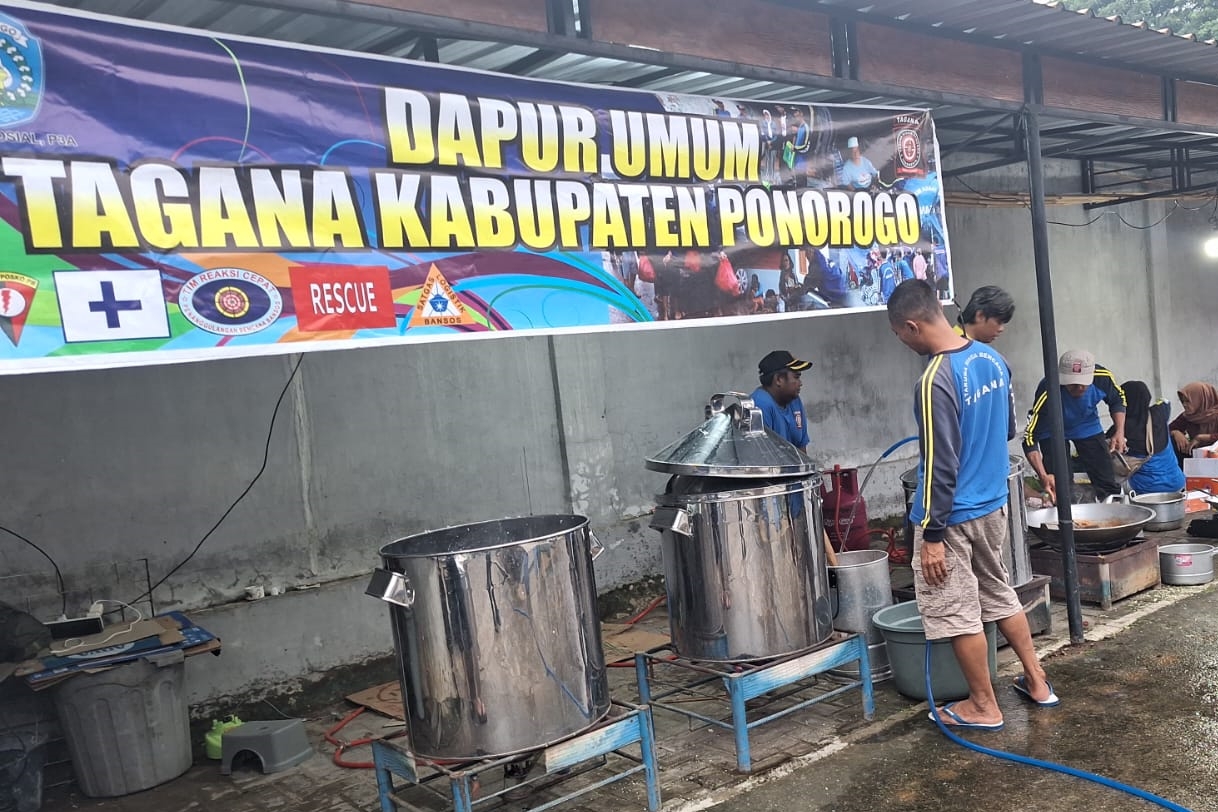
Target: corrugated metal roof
point(986, 130)
point(1049, 26)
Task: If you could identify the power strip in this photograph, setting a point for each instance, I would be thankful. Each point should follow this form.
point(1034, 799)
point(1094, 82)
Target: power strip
point(75, 627)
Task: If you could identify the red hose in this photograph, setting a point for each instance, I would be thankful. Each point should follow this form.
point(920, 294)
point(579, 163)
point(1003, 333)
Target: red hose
point(647, 610)
point(342, 746)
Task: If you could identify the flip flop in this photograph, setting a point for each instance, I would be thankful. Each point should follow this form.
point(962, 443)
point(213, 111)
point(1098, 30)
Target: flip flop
point(1020, 686)
point(959, 724)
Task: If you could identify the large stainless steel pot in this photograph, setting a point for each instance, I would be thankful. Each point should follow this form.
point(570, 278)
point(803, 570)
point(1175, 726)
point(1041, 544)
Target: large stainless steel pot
point(1015, 553)
point(1168, 508)
point(741, 527)
point(497, 635)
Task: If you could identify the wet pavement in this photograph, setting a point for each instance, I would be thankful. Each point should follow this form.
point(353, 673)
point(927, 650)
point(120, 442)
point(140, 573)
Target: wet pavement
point(1140, 708)
point(1140, 705)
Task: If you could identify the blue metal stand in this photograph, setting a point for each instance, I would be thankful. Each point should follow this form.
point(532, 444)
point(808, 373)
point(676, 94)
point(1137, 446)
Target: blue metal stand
point(624, 726)
point(743, 682)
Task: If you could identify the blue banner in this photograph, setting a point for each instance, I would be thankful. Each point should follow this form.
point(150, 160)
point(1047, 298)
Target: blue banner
point(167, 195)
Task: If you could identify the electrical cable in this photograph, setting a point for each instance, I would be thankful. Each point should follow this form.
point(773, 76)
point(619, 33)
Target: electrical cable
point(1036, 762)
point(73, 643)
point(1013, 198)
point(266, 455)
point(63, 595)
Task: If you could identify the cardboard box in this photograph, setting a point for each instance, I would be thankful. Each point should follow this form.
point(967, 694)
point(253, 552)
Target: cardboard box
point(1197, 501)
point(1201, 474)
point(1201, 483)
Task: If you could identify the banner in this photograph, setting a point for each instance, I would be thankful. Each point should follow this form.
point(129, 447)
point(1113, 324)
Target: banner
point(166, 195)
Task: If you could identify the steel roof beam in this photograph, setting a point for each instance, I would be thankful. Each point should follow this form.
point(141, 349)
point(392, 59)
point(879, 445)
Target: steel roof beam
point(1209, 187)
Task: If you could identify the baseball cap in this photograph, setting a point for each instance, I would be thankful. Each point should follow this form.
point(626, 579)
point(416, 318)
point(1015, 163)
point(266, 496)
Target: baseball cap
point(852, 142)
point(780, 360)
point(1076, 367)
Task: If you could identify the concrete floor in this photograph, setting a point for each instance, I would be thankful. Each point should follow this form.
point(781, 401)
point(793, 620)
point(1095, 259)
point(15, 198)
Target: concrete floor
point(1140, 706)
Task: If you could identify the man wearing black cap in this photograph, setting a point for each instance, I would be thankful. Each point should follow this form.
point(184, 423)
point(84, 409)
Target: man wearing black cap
point(778, 397)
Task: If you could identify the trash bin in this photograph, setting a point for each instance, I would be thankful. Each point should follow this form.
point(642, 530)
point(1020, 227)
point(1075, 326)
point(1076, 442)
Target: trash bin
point(126, 728)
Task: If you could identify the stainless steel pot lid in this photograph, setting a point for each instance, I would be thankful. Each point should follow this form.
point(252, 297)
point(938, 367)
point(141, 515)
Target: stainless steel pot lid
point(685, 490)
point(733, 442)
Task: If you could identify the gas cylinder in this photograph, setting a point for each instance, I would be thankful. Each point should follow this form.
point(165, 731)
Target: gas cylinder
point(840, 497)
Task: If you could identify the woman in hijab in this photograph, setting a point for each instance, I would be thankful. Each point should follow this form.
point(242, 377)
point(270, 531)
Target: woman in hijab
point(1147, 434)
point(1198, 425)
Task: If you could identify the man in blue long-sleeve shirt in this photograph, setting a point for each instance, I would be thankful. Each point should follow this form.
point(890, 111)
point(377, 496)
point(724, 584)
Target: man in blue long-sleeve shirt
point(966, 416)
point(1085, 385)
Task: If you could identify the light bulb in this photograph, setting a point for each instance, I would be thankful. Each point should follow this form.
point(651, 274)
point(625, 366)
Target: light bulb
point(1211, 247)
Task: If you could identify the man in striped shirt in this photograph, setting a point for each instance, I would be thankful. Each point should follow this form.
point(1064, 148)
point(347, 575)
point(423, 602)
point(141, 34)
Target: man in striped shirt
point(966, 416)
point(1085, 385)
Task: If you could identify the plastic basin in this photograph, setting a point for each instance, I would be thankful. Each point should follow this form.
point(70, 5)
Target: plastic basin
point(901, 626)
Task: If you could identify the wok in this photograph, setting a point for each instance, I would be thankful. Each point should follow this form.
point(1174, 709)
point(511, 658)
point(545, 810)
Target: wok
point(1112, 523)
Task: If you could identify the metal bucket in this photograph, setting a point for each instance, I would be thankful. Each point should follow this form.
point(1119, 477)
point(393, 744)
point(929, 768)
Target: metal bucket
point(1186, 564)
point(1015, 554)
point(744, 567)
point(859, 586)
point(497, 636)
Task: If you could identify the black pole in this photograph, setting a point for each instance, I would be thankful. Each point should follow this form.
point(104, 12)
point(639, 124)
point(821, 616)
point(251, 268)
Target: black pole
point(1048, 341)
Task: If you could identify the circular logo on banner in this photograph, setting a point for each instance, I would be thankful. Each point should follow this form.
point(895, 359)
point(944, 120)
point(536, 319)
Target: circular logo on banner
point(230, 301)
point(21, 79)
point(909, 149)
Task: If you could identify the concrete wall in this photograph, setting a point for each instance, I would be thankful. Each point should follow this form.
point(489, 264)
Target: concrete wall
point(105, 470)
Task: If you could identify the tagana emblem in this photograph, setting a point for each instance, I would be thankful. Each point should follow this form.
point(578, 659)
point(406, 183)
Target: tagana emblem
point(909, 149)
point(21, 73)
point(907, 144)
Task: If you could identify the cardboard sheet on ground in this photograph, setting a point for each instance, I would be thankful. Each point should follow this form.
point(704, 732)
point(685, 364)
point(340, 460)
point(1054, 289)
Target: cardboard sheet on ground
point(618, 641)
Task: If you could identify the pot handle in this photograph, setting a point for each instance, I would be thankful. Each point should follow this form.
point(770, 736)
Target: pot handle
point(674, 520)
point(1114, 498)
point(595, 545)
point(391, 587)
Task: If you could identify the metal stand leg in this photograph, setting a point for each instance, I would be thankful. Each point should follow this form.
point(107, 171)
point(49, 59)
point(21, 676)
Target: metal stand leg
point(625, 725)
point(651, 770)
point(742, 683)
point(740, 726)
point(865, 678)
point(640, 674)
point(384, 782)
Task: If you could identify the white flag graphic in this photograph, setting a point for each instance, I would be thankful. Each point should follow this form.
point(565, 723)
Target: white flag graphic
point(111, 305)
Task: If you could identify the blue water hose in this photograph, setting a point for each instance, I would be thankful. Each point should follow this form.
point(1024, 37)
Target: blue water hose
point(867, 478)
point(1035, 762)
